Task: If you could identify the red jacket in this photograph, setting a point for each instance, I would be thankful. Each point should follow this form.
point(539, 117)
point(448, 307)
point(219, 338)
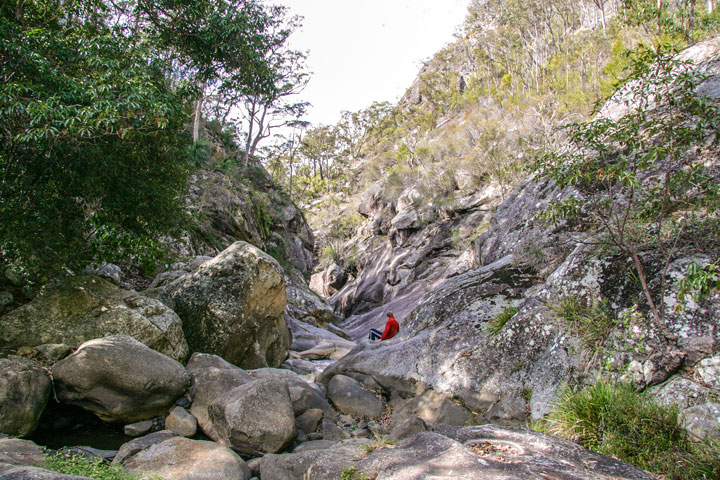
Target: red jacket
point(392, 327)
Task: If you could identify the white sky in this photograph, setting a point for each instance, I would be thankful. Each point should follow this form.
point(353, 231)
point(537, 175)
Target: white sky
point(362, 51)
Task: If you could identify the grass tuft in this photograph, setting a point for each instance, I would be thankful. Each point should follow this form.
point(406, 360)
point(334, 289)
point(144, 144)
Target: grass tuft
point(592, 323)
point(614, 420)
point(497, 323)
point(93, 468)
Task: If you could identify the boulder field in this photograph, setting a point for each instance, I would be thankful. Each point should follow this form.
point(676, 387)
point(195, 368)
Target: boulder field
point(276, 425)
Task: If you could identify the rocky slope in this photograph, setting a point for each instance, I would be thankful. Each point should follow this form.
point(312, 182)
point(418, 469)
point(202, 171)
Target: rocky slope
point(528, 272)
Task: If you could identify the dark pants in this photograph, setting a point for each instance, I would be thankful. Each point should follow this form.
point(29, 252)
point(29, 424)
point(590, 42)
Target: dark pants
point(375, 334)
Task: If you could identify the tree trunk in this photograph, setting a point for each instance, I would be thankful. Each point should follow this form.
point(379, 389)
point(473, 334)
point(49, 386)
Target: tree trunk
point(198, 114)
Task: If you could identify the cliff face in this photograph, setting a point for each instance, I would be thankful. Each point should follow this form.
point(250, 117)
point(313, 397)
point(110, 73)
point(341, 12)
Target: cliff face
point(536, 306)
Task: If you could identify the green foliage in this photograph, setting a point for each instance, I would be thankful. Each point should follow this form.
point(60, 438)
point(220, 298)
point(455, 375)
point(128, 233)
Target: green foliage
point(352, 473)
point(592, 323)
point(344, 225)
point(497, 323)
point(262, 217)
point(700, 281)
point(615, 420)
point(642, 179)
point(92, 468)
point(95, 97)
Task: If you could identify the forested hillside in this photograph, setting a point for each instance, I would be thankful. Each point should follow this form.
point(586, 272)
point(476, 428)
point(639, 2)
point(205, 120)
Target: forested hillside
point(483, 108)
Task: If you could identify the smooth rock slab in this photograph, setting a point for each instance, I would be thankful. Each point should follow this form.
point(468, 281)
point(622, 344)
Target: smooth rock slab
point(349, 396)
point(254, 418)
point(120, 379)
point(180, 458)
point(24, 391)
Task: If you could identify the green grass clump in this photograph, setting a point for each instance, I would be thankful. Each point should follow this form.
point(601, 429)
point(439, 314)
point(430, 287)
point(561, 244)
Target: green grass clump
point(614, 420)
point(93, 468)
point(351, 473)
point(497, 323)
point(592, 323)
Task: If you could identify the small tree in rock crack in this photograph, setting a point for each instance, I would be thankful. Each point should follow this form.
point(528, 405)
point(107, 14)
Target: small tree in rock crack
point(646, 181)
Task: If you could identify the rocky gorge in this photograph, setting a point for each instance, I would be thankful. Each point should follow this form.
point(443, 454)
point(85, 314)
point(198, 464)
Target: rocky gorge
point(227, 365)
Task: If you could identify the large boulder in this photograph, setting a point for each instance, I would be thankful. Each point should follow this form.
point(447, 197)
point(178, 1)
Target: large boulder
point(434, 409)
point(233, 306)
point(24, 391)
point(211, 378)
point(255, 418)
point(349, 396)
point(120, 379)
point(312, 464)
point(87, 307)
point(179, 458)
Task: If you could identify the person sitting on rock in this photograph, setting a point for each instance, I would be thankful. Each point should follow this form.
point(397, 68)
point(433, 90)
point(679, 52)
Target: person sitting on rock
point(392, 327)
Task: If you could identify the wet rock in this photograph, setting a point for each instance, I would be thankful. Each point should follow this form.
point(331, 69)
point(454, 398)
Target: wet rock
point(349, 396)
point(87, 307)
point(24, 391)
point(255, 418)
point(120, 379)
point(233, 306)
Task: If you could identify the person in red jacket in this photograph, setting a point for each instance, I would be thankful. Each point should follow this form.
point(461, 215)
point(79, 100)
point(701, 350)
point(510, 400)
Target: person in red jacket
point(392, 327)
